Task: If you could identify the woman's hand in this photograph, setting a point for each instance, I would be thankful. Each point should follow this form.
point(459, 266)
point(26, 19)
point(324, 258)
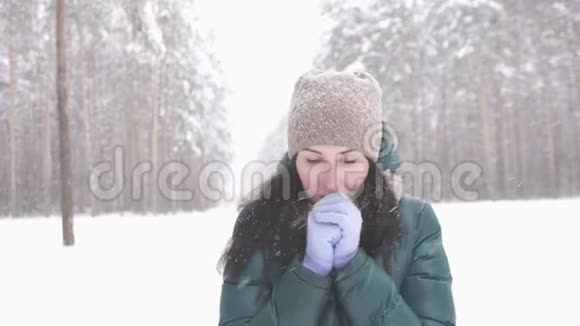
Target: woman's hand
point(321, 238)
point(339, 210)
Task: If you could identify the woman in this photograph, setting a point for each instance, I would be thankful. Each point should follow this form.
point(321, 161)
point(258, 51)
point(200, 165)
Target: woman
point(327, 241)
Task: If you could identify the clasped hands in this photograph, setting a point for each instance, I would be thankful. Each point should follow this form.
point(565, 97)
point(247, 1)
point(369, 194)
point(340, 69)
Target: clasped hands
point(333, 234)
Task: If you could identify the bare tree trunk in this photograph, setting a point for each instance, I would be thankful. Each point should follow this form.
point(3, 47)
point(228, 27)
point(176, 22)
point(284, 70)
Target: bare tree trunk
point(86, 108)
point(98, 130)
point(46, 140)
point(577, 85)
point(576, 114)
point(12, 122)
point(572, 102)
point(89, 150)
point(521, 164)
point(447, 149)
point(571, 132)
point(487, 158)
point(89, 138)
point(63, 130)
point(562, 145)
point(167, 136)
point(520, 141)
point(83, 105)
point(420, 132)
point(169, 139)
point(201, 200)
point(133, 135)
point(504, 144)
point(129, 123)
point(155, 137)
point(550, 150)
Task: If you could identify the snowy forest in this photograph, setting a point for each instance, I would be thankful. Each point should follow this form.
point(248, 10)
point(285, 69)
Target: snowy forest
point(490, 83)
point(141, 76)
point(494, 83)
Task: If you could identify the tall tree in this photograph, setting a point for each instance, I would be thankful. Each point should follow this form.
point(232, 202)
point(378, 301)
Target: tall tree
point(66, 194)
point(12, 122)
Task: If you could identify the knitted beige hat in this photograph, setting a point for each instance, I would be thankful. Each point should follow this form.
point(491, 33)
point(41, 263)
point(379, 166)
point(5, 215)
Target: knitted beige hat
point(336, 108)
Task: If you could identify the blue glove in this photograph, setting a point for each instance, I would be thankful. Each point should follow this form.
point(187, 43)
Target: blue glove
point(340, 210)
point(321, 238)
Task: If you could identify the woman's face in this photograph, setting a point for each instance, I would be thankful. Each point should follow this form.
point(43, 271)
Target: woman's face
point(324, 169)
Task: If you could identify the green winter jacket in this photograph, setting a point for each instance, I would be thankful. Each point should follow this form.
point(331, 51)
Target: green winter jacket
point(417, 291)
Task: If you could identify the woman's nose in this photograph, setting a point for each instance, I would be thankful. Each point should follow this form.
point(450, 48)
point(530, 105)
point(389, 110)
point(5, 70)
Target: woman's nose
point(328, 181)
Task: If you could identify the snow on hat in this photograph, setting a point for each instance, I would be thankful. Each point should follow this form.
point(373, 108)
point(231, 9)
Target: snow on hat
point(339, 108)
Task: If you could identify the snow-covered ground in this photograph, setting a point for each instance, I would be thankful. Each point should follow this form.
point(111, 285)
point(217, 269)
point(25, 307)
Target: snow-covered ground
point(514, 263)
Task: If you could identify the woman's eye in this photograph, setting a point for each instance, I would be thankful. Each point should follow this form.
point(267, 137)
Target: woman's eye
point(349, 161)
point(311, 161)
